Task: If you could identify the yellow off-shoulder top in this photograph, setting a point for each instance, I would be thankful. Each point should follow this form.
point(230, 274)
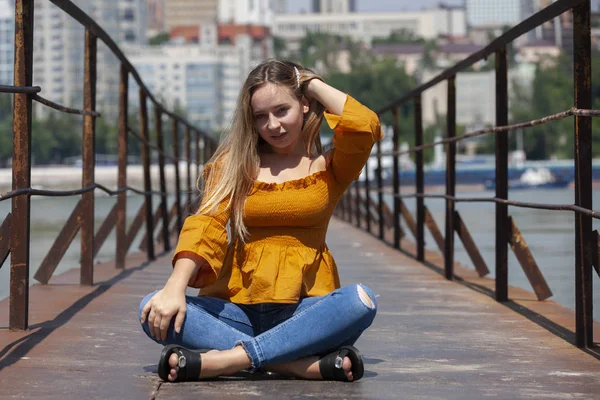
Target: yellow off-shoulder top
point(285, 257)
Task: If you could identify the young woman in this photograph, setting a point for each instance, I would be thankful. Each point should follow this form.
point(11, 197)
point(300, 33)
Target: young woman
point(270, 295)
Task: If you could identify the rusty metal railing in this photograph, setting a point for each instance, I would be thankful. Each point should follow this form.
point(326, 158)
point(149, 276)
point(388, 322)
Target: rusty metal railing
point(15, 229)
point(358, 207)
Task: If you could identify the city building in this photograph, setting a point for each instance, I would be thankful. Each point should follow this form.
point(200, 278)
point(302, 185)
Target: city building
point(333, 6)
point(59, 48)
point(244, 12)
point(7, 41)
point(279, 6)
point(204, 82)
point(494, 12)
point(365, 26)
point(189, 12)
point(156, 17)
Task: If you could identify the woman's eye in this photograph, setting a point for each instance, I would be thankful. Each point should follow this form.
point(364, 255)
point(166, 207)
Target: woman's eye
point(259, 116)
point(282, 110)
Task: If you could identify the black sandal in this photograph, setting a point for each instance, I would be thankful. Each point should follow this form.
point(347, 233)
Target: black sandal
point(188, 366)
point(331, 365)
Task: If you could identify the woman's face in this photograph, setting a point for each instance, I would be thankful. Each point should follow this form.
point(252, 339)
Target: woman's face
point(278, 117)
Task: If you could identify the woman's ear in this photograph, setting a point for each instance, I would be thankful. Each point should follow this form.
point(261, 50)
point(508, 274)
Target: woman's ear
point(305, 105)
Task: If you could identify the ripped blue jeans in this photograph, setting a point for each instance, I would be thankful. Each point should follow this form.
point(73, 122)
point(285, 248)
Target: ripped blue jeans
point(273, 333)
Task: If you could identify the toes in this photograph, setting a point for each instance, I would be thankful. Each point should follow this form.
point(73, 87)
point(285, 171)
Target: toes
point(173, 360)
point(347, 365)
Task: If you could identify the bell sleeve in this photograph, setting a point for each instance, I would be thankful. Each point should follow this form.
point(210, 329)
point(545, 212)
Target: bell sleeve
point(355, 133)
point(203, 239)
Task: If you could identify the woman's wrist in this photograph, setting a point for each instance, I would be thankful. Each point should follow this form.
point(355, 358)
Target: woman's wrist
point(312, 88)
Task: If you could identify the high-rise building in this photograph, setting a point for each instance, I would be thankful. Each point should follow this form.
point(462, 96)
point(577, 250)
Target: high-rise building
point(245, 12)
point(493, 13)
point(279, 6)
point(59, 47)
point(156, 16)
point(334, 6)
point(7, 41)
point(189, 12)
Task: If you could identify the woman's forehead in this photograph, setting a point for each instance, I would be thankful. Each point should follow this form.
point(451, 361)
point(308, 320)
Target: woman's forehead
point(270, 95)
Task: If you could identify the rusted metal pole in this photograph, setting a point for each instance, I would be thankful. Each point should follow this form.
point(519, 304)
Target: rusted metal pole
point(88, 157)
point(396, 178)
point(147, 178)
point(419, 180)
point(161, 172)
point(21, 167)
point(188, 156)
point(175, 136)
point(584, 243)
point(357, 202)
point(502, 227)
point(450, 180)
point(122, 177)
point(367, 198)
point(380, 193)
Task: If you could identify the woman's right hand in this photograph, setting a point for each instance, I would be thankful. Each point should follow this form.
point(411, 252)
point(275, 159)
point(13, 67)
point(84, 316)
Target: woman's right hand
point(167, 303)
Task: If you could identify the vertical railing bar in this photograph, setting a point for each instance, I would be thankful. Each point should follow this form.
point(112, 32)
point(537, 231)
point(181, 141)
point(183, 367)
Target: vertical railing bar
point(380, 192)
point(88, 158)
point(502, 227)
point(450, 180)
point(419, 180)
point(188, 157)
point(367, 197)
point(163, 182)
point(147, 178)
point(175, 137)
point(396, 177)
point(122, 175)
point(21, 167)
point(584, 244)
point(357, 202)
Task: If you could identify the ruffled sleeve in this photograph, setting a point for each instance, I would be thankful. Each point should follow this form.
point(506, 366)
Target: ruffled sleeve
point(355, 132)
point(203, 239)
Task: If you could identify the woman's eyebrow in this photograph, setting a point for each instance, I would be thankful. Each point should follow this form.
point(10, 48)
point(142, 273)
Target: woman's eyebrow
point(258, 111)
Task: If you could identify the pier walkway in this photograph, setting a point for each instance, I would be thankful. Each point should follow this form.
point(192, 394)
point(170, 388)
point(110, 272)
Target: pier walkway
point(432, 338)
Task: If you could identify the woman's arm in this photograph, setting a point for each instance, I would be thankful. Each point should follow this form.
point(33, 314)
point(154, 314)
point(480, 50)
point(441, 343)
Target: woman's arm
point(331, 98)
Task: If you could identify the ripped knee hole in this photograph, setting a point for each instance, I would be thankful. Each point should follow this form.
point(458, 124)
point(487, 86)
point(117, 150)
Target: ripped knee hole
point(364, 297)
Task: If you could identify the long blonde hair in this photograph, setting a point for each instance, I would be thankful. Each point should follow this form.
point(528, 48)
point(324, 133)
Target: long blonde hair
point(236, 162)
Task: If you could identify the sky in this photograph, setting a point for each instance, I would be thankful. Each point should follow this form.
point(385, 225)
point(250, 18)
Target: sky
point(378, 5)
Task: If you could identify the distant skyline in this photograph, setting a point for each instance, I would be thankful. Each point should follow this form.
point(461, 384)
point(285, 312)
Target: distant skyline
point(378, 5)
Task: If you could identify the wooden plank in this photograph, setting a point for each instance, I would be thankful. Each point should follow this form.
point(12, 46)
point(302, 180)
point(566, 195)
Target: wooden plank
point(470, 246)
point(530, 267)
point(172, 213)
point(433, 228)
point(157, 216)
point(135, 226)
point(105, 229)
point(60, 246)
point(5, 232)
point(408, 218)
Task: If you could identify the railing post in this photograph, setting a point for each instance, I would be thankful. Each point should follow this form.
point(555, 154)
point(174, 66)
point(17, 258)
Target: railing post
point(357, 202)
point(147, 178)
point(122, 177)
point(502, 228)
point(188, 156)
point(197, 159)
point(450, 180)
point(396, 177)
point(163, 183)
point(175, 135)
point(419, 179)
point(21, 167)
point(583, 176)
point(88, 158)
point(367, 197)
point(380, 192)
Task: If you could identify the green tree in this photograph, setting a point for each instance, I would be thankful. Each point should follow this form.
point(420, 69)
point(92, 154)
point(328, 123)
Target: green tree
point(159, 39)
point(402, 36)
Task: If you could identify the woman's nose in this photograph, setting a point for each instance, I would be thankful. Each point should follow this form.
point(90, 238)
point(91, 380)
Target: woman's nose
point(273, 122)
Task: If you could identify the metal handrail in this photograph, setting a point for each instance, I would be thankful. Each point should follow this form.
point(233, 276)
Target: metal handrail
point(357, 204)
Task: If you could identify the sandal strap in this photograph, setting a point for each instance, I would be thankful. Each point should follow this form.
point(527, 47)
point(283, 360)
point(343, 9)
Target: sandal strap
point(331, 365)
